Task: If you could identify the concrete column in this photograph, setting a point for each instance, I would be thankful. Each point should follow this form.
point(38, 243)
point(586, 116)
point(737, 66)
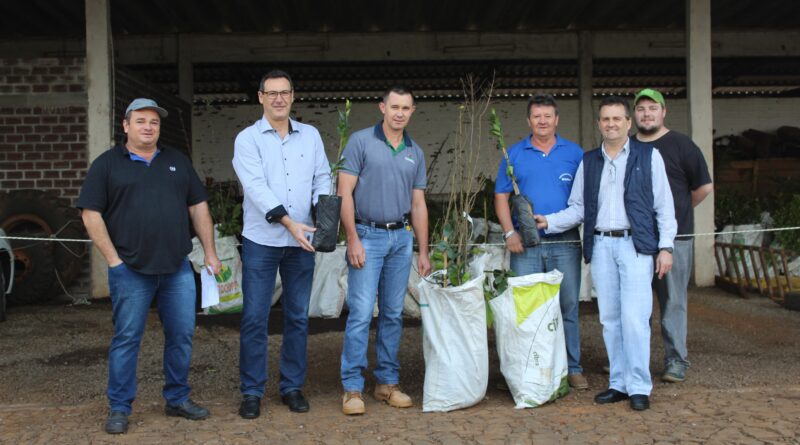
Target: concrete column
point(588, 128)
point(99, 84)
point(698, 68)
point(185, 69)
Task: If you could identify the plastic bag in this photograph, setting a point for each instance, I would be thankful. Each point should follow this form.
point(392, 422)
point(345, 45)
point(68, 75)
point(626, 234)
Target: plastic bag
point(530, 338)
point(326, 221)
point(523, 211)
point(229, 278)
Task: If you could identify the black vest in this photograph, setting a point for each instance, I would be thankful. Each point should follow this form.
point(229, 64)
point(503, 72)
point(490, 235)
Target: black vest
point(638, 197)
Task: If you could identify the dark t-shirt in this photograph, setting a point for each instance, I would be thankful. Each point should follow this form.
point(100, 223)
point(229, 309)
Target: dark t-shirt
point(686, 170)
point(145, 208)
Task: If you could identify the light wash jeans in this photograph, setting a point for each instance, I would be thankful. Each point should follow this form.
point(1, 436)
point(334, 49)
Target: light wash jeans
point(566, 258)
point(622, 278)
point(384, 273)
point(673, 301)
point(131, 295)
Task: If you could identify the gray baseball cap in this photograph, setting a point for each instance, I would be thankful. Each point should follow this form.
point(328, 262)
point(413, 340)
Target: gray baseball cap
point(145, 104)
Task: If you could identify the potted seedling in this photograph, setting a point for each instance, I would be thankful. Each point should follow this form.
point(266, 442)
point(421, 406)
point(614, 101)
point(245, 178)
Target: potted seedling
point(328, 208)
point(522, 206)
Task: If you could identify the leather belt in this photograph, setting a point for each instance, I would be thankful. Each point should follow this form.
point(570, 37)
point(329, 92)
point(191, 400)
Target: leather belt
point(614, 233)
point(387, 226)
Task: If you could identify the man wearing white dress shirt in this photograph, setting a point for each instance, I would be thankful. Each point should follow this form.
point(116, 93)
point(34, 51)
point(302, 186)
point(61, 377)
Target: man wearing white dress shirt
point(621, 195)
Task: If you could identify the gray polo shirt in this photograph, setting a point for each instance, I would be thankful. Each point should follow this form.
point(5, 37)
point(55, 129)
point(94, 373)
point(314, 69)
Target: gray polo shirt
point(386, 176)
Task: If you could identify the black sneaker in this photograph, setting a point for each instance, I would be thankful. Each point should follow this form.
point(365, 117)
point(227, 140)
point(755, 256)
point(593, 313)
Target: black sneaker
point(188, 410)
point(117, 423)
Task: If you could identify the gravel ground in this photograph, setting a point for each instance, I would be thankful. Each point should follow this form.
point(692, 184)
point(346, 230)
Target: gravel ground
point(54, 360)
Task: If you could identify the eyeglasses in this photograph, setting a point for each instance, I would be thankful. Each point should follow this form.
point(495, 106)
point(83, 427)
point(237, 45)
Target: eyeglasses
point(272, 95)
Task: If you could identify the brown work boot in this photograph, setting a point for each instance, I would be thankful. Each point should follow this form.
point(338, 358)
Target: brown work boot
point(577, 381)
point(352, 403)
point(392, 395)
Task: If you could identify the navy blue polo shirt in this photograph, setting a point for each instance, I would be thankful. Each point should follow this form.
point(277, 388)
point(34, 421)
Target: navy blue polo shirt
point(545, 179)
point(145, 207)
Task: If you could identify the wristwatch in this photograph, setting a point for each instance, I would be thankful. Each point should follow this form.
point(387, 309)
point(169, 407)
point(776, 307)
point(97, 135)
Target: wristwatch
point(668, 249)
point(508, 234)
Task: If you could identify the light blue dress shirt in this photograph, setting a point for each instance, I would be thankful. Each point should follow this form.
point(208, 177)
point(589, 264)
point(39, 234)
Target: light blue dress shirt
point(291, 172)
point(611, 214)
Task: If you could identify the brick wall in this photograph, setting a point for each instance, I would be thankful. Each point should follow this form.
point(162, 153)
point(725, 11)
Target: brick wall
point(43, 125)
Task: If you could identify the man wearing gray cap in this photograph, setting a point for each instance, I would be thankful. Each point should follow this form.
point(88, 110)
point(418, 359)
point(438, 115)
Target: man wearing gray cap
point(137, 203)
point(690, 184)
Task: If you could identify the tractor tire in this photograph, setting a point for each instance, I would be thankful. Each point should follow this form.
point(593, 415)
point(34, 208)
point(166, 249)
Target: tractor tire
point(36, 211)
point(34, 272)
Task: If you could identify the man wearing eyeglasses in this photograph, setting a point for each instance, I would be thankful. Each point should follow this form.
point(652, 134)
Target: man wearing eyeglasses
point(283, 169)
point(621, 195)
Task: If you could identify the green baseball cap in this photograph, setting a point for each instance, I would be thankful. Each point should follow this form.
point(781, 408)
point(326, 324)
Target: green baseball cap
point(651, 94)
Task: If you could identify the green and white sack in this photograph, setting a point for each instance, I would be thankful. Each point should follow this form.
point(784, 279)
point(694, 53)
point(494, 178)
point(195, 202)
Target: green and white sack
point(229, 278)
point(530, 338)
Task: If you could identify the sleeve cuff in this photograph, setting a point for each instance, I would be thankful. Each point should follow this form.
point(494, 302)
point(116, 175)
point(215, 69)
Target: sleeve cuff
point(275, 215)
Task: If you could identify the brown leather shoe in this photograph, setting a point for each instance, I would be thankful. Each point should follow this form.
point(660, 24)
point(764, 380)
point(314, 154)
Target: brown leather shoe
point(577, 381)
point(352, 403)
point(392, 395)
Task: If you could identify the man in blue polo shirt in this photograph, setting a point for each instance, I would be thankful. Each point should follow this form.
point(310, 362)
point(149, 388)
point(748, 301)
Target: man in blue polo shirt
point(137, 202)
point(382, 185)
point(544, 165)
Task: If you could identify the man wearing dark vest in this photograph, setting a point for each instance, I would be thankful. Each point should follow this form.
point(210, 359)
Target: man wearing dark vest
point(690, 184)
point(621, 195)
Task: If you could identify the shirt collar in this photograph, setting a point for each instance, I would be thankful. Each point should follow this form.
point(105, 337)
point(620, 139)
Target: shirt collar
point(382, 136)
point(124, 150)
point(528, 144)
point(264, 126)
point(626, 148)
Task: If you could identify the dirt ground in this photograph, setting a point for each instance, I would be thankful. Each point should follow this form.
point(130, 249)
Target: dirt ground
point(743, 387)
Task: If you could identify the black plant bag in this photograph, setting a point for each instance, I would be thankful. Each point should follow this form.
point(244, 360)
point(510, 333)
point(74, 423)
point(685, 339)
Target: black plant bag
point(523, 210)
point(326, 221)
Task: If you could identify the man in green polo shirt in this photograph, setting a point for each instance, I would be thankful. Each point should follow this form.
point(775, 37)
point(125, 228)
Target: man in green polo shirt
point(382, 185)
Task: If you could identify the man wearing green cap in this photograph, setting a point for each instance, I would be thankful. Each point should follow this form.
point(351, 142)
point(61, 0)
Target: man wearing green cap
point(690, 183)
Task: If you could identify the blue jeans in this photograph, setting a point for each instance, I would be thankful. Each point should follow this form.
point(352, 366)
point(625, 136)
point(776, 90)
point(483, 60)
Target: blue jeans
point(566, 257)
point(622, 278)
point(673, 300)
point(131, 295)
point(385, 272)
point(260, 264)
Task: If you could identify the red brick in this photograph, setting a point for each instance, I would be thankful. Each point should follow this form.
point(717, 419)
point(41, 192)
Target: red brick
point(66, 119)
point(61, 183)
point(33, 137)
point(26, 184)
point(76, 88)
point(60, 147)
point(16, 174)
point(44, 183)
point(14, 156)
point(13, 138)
point(6, 89)
point(77, 146)
point(33, 156)
point(58, 129)
point(39, 70)
point(22, 129)
point(42, 128)
point(69, 137)
point(25, 165)
point(77, 128)
point(31, 119)
point(25, 147)
point(2, 156)
point(52, 174)
point(44, 148)
point(57, 70)
point(59, 88)
point(49, 119)
point(8, 165)
point(77, 182)
point(13, 79)
point(2, 175)
point(41, 88)
point(69, 155)
point(42, 165)
point(33, 175)
point(8, 185)
point(78, 165)
point(22, 88)
point(6, 129)
point(22, 110)
point(50, 138)
point(13, 120)
point(51, 155)
point(60, 165)
point(69, 174)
